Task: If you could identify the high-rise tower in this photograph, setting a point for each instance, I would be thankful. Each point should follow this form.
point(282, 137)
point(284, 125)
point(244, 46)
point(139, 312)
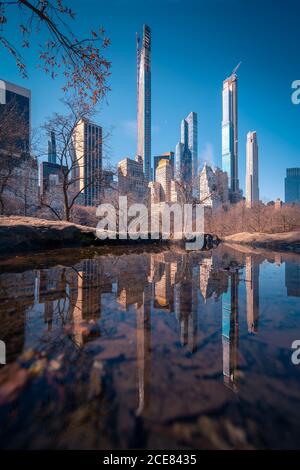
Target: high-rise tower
point(52, 148)
point(230, 135)
point(192, 124)
point(144, 100)
point(19, 99)
point(252, 190)
point(292, 186)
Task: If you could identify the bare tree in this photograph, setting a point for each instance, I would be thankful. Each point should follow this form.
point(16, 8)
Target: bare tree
point(72, 154)
point(79, 59)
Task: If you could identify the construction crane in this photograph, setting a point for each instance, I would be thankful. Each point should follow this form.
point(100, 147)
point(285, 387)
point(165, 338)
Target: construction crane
point(236, 68)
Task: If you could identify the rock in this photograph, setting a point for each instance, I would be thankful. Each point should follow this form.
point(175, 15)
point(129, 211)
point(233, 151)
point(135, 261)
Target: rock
point(21, 234)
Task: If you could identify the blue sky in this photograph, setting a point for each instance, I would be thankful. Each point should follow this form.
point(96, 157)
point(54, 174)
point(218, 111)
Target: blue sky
point(195, 46)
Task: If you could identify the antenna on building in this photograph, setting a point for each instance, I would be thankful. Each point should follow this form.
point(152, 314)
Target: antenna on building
point(236, 68)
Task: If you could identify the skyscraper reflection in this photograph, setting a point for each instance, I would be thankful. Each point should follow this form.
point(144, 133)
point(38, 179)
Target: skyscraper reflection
point(230, 330)
point(292, 279)
point(143, 341)
point(252, 293)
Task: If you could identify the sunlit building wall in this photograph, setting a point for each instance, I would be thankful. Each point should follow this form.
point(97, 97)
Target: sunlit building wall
point(252, 190)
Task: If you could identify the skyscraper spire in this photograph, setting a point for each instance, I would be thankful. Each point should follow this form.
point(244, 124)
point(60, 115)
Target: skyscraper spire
point(144, 100)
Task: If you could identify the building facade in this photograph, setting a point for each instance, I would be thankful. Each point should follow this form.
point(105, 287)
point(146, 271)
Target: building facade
point(209, 196)
point(165, 156)
point(183, 171)
point(20, 99)
point(144, 100)
point(292, 186)
point(19, 169)
point(187, 152)
point(131, 179)
point(252, 189)
point(87, 164)
point(164, 178)
point(230, 135)
point(192, 128)
point(213, 187)
point(52, 148)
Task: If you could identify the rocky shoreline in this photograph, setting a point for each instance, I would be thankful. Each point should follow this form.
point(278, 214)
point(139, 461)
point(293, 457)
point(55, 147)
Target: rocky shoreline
point(21, 235)
point(288, 241)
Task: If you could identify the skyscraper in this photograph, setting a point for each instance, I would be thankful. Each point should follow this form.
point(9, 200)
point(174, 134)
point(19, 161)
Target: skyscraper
point(230, 135)
point(165, 156)
point(20, 99)
point(183, 159)
point(131, 179)
point(87, 168)
point(252, 190)
point(187, 151)
point(292, 185)
point(164, 177)
point(192, 127)
point(52, 148)
point(144, 100)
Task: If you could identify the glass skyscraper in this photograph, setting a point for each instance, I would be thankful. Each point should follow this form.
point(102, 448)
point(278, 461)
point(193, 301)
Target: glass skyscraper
point(187, 151)
point(230, 135)
point(192, 129)
point(144, 100)
point(52, 148)
point(292, 186)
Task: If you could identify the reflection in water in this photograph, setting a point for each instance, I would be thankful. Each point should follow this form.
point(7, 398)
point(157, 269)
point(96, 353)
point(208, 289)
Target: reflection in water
point(252, 288)
point(292, 279)
point(230, 330)
point(184, 315)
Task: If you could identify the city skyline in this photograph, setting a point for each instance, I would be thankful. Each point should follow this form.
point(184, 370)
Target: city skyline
point(180, 94)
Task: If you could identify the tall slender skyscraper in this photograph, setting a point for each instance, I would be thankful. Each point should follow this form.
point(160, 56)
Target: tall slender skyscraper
point(52, 148)
point(230, 135)
point(252, 190)
point(144, 100)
